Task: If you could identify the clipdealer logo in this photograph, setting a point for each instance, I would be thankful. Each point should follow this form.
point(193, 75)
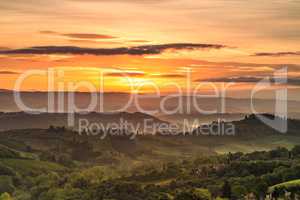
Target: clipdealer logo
point(64, 99)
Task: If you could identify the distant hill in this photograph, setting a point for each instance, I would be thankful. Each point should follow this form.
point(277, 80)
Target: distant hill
point(251, 126)
point(120, 102)
point(181, 118)
point(22, 120)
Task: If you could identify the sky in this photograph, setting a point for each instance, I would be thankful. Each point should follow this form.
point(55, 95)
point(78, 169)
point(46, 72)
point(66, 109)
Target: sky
point(141, 43)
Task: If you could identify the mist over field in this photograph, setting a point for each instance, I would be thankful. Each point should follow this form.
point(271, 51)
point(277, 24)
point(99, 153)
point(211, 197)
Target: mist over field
point(123, 102)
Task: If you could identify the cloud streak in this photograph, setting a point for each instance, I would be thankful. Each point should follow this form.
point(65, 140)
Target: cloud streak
point(251, 79)
point(80, 35)
point(88, 36)
point(169, 76)
point(125, 74)
point(278, 54)
point(137, 50)
point(8, 73)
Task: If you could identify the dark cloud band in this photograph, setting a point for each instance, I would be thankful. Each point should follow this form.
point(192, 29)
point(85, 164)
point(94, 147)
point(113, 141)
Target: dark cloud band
point(138, 50)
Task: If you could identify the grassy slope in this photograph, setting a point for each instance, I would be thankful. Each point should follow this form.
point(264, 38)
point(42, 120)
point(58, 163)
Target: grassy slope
point(25, 163)
point(31, 167)
point(148, 150)
point(294, 183)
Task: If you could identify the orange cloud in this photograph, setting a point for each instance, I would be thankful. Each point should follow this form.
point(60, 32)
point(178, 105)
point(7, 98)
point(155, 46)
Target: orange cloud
point(125, 74)
point(80, 35)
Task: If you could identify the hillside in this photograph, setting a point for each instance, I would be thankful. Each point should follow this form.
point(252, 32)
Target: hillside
point(231, 175)
point(57, 163)
point(251, 134)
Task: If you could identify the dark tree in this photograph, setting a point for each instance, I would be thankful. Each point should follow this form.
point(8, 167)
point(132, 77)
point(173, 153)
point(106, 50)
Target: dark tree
point(226, 190)
point(296, 151)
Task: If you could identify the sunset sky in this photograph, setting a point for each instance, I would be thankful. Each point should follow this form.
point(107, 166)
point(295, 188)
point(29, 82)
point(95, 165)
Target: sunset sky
point(150, 41)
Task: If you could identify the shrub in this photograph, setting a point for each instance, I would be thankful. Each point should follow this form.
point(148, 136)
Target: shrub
point(6, 184)
point(5, 196)
point(195, 194)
